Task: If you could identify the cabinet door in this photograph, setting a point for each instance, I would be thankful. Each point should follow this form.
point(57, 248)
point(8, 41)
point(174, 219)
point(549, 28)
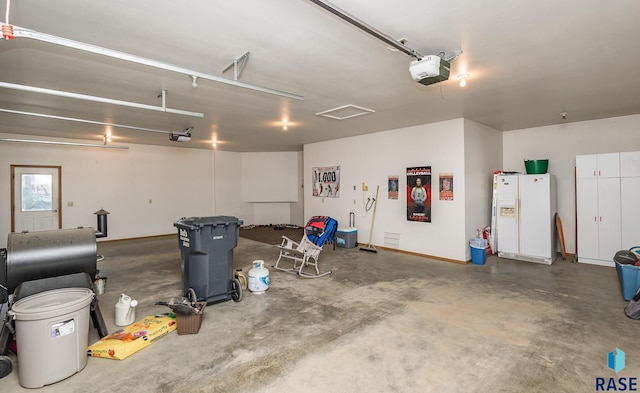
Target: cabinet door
point(587, 214)
point(586, 166)
point(609, 165)
point(630, 164)
point(609, 231)
point(630, 211)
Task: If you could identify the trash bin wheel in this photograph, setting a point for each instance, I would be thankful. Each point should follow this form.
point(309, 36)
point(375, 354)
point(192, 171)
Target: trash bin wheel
point(5, 366)
point(191, 295)
point(236, 290)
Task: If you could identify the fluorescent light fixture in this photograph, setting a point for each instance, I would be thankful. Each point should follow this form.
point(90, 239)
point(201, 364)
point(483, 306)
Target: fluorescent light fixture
point(60, 93)
point(104, 146)
point(20, 32)
point(100, 123)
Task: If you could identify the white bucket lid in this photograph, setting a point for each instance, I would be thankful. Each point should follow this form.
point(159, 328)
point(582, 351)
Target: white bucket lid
point(52, 303)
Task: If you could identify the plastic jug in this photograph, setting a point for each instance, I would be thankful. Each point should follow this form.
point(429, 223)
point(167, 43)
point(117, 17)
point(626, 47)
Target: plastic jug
point(125, 310)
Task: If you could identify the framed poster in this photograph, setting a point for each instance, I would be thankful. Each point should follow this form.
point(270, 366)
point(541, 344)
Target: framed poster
point(326, 181)
point(419, 194)
point(446, 186)
point(393, 187)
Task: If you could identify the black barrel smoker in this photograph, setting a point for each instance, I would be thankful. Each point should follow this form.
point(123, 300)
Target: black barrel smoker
point(35, 262)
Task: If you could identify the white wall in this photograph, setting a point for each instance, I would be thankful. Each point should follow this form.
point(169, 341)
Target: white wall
point(483, 156)
point(230, 187)
point(371, 159)
point(560, 144)
point(270, 177)
point(178, 181)
point(296, 213)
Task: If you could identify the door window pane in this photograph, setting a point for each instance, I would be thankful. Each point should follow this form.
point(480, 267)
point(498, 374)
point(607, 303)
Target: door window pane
point(36, 192)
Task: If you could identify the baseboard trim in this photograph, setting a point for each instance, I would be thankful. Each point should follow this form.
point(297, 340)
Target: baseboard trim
point(459, 262)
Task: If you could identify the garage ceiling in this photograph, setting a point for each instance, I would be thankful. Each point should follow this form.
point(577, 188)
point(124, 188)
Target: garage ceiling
point(527, 62)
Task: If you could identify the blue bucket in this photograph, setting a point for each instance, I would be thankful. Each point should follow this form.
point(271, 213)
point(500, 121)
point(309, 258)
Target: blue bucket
point(478, 253)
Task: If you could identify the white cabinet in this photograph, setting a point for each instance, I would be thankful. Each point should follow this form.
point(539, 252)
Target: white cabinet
point(598, 208)
point(598, 165)
point(607, 205)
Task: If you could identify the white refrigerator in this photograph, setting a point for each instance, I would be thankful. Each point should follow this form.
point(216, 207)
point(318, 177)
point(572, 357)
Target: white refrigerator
point(526, 207)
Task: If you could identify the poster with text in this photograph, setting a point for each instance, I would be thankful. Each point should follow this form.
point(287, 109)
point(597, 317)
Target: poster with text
point(326, 181)
point(446, 186)
point(393, 187)
point(419, 194)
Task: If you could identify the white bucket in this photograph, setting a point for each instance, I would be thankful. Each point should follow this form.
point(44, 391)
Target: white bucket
point(52, 334)
point(258, 277)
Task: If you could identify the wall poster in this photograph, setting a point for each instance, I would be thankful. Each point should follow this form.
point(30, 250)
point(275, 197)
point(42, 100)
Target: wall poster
point(419, 194)
point(446, 186)
point(393, 187)
point(326, 181)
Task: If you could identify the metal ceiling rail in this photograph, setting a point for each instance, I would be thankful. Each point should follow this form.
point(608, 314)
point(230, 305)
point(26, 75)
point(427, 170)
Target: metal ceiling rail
point(20, 32)
point(63, 143)
point(367, 28)
point(67, 94)
point(77, 120)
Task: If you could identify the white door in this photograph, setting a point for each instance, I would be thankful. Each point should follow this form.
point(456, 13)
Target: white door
point(36, 198)
point(609, 165)
point(630, 208)
point(587, 213)
point(587, 166)
point(507, 214)
point(535, 215)
point(609, 231)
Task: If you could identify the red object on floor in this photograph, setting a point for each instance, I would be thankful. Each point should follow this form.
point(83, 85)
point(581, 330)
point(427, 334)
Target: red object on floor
point(13, 347)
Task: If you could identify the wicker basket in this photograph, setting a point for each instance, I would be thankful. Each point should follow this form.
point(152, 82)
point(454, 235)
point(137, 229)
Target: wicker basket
point(190, 324)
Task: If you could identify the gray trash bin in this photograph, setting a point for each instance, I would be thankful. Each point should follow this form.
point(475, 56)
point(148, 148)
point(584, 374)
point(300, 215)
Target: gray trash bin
point(206, 249)
point(52, 334)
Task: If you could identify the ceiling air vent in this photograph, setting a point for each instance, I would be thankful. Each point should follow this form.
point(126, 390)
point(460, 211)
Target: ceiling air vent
point(345, 112)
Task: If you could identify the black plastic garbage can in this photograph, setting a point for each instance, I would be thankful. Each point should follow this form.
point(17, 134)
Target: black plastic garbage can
point(206, 249)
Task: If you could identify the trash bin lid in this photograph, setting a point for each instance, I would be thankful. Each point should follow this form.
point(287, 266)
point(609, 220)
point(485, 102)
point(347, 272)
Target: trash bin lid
point(51, 303)
point(199, 222)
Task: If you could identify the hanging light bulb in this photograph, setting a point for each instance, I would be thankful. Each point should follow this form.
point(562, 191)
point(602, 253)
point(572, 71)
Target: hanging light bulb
point(194, 84)
point(284, 125)
point(463, 79)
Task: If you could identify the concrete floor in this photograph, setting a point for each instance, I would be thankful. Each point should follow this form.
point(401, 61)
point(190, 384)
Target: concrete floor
point(385, 322)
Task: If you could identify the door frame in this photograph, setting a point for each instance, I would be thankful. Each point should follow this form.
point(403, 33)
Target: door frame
point(13, 182)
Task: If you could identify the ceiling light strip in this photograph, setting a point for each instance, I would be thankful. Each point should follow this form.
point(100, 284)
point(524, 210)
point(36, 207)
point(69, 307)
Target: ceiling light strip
point(367, 29)
point(101, 123)
point(60, 93)
point(20, 32)
point(62, 143)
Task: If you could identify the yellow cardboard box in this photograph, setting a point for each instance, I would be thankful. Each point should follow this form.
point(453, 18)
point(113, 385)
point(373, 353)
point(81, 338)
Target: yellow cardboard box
point(129, 340)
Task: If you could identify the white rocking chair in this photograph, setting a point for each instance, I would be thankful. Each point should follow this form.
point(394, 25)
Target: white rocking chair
point(303, 254)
